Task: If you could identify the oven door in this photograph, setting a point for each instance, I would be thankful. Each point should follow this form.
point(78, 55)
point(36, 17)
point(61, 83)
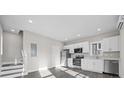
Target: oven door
point(76, 62)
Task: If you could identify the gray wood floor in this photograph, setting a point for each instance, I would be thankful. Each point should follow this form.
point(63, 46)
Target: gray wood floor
point(58, 73)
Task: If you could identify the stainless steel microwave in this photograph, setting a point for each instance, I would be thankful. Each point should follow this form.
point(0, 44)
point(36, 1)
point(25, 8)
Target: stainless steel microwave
point(78, 50)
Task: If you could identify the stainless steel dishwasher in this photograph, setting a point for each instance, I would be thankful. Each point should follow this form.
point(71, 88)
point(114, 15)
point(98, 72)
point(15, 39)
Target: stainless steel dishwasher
point(111, 66)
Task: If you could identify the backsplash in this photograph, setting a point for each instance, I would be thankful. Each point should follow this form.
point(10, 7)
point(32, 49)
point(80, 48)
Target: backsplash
point(111, 54)
point(78, 54)
point(105, 55)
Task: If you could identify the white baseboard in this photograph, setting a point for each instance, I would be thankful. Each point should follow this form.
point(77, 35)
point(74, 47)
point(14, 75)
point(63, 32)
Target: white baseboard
point(121, 76)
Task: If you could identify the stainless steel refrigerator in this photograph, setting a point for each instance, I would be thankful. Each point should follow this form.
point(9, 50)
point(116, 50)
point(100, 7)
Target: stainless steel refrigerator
point(64, 57)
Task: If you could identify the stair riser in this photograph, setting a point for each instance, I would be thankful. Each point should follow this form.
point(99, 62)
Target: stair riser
point(11, 67)
point(13, 75)
point(11, 71)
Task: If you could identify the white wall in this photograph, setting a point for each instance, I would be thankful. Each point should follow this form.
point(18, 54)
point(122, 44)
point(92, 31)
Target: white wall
point(121, 64)
point(12, 43)
point(44, 50)
point(0, 44)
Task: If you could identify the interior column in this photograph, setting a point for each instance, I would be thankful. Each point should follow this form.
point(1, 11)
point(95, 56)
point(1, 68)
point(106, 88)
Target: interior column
point(121, 64)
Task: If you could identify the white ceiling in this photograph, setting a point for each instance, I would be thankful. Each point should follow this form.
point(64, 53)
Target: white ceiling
point(60, 27)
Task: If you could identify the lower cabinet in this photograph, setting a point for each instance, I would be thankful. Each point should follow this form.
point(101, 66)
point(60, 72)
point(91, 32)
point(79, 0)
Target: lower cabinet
point(95, 65)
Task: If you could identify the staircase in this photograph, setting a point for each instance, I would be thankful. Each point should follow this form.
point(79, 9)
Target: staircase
point(11, 70)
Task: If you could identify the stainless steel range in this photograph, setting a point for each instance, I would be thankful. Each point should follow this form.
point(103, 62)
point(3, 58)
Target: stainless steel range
point(77, 61)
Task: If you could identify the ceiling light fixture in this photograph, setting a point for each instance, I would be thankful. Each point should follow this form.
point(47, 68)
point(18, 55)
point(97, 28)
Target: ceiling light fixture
point(66, 39)
point(13, 30)
point(78, 35)
point(98, 29)
point(30, 21)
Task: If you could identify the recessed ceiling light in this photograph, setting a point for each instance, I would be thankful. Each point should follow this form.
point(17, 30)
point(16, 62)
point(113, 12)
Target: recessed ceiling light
point(30, 21)
point(98, 29)
point(13, 30)
point(78, 35)
point(66, 39)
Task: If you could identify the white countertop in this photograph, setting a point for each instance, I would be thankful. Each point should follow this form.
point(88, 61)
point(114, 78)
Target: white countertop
point(98, 58)
point(111, 58)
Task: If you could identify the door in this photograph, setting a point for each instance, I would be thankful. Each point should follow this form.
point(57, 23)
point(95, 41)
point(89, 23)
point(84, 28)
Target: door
point(56, 56)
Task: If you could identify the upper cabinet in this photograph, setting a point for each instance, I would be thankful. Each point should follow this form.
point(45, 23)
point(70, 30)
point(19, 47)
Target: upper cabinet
point(83, 45)
point(86, 47)
point(111, 44)
point(96, 48)
point(71, 48)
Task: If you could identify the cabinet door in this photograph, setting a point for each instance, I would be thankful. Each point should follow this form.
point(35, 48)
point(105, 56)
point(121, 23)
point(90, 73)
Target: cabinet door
point(99, 45)
point(71, 49)
point(114, 43)
point(84, 64)
point(98, 66)
point(90, 65)
point(106, 45)
point(85, 47)
point(66, 47)
point(111, 44)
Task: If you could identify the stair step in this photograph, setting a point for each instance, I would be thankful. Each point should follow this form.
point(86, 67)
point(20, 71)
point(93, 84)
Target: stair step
point(11, 71)
point(11, 67)
point(11, 64)
point(13, 75)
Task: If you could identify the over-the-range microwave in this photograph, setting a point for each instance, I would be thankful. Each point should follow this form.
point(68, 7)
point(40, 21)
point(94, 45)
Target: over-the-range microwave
point(78, 50)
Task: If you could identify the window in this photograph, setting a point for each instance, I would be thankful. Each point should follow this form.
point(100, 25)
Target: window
point(33, 50)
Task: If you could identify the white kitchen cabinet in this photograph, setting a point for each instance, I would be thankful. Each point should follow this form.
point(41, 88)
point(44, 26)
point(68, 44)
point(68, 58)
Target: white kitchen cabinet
point(66, 47)
point(86, 47)
point(114, 43)
point(71, 49)
point(95, 65)
point(111, 44)
point(99, 45)
point(70, 62)
point(106, 44)
point(96, 48)
point(86, 64)
point(98, 65)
